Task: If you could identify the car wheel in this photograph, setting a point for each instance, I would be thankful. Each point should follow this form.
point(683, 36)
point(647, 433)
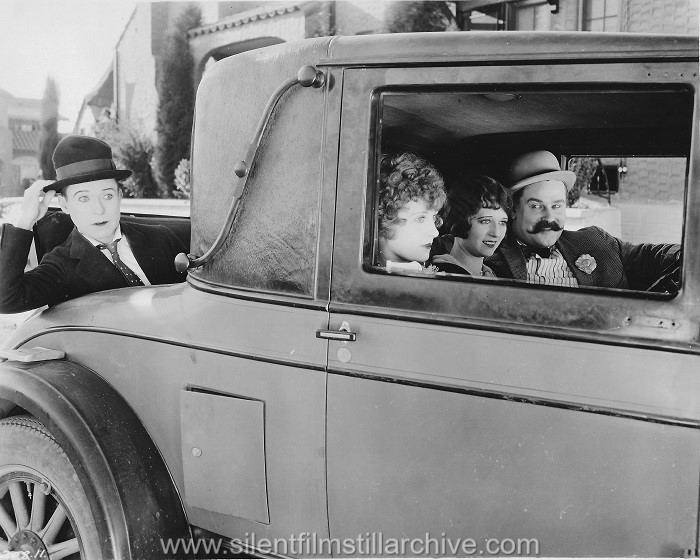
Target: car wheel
point(44, 510)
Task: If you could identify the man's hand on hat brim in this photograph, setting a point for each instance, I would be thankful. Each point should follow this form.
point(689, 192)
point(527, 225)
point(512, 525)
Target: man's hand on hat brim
point(35, 203)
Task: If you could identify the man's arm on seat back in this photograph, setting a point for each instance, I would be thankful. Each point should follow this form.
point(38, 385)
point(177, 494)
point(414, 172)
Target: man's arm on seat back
point(20, 291)
point(645, 263)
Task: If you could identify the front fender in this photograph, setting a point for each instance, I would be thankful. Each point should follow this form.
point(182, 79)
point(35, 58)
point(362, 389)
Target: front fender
point(132, 496)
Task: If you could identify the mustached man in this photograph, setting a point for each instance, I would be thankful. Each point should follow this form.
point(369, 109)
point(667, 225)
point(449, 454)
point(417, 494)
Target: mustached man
point(101, 253)
point(539, 250)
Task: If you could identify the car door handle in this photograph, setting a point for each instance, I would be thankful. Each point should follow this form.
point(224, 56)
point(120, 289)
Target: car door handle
point(343, 333)
point(346, 336)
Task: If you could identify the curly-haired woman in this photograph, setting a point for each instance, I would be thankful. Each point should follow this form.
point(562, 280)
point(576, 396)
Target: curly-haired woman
point(411, 194)
point(477, 222)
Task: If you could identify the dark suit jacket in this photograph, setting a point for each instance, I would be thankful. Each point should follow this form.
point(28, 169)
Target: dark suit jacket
point(618, 264)
point(76, 267)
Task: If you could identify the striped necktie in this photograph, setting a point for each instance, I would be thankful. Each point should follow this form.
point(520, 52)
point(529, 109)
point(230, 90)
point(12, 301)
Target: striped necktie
point(127, 273)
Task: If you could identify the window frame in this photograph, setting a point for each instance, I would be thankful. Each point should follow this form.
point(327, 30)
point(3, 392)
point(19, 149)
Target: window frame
point(617, 316)
point(587, 19)
point(369, 256)
point(518, 7)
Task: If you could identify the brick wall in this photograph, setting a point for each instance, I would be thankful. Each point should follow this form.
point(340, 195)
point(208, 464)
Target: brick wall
point(137, 95)
point(651, 200)
point(654, 180)
point(651, 223)
point(639, 16)
point(660, 16)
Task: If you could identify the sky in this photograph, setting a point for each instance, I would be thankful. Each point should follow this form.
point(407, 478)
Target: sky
point(71, 40)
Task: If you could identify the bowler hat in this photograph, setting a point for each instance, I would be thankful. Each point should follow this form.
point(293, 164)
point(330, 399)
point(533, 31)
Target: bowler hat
point(81, 159)
point(534, 167)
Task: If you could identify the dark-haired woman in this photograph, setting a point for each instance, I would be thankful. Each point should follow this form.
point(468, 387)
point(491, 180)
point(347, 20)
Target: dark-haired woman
point(477, 220)
point(411, 194)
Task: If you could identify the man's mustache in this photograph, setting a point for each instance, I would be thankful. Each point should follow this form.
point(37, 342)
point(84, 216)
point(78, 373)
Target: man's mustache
point(544, 224)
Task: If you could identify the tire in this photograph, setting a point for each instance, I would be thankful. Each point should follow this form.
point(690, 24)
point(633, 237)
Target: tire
point(44, 510)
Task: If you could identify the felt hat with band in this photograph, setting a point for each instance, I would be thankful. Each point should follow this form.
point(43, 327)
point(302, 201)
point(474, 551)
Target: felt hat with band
point(81, 159)
point(534, 167)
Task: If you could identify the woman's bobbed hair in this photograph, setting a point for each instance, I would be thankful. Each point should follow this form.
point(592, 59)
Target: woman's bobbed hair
point(404, 178)
point(470, 194)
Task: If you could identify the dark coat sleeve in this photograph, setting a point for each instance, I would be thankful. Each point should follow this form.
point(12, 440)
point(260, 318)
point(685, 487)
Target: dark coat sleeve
point(20, 291)
point(644, 264)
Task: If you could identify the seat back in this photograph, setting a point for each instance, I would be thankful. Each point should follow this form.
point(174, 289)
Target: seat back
point(54, 228)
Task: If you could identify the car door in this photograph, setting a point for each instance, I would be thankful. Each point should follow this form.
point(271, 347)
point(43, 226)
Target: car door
point(476, 417)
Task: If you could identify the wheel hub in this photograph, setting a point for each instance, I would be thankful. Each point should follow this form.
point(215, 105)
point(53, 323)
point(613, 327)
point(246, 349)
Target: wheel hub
point(28, 541)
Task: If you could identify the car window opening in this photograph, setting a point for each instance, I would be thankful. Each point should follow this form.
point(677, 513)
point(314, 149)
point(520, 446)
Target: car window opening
point(557, 188)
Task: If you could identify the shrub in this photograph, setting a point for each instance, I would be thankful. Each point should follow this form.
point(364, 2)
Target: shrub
point(585, 168)
point(182, 180)
point(135, 152)
point(407, 17)
point(132, 150)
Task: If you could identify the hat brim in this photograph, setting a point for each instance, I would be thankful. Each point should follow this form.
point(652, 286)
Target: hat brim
point(566, 177)
point(118, 174)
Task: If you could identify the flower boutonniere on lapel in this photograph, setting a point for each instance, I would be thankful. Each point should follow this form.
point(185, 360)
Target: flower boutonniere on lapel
point(586, 263)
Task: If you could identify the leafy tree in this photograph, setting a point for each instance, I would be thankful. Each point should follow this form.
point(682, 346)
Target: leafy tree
point(48, 136)
point(175, 100)
point(431, 15)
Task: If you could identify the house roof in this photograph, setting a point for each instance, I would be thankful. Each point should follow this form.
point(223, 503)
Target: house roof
point(259, 13)
point(25, 140)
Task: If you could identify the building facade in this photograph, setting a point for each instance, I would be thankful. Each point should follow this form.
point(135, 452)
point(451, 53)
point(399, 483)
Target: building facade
point(128, 88)
point(20, 125)
point(627, 16)
point(127, 91)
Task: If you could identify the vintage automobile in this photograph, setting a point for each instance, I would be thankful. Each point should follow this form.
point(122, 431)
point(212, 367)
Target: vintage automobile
point(294, 399)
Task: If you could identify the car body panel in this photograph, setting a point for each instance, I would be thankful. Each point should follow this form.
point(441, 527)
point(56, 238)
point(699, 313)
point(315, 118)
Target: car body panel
point(157, 342)
point(285, 198)
point(406, 461)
